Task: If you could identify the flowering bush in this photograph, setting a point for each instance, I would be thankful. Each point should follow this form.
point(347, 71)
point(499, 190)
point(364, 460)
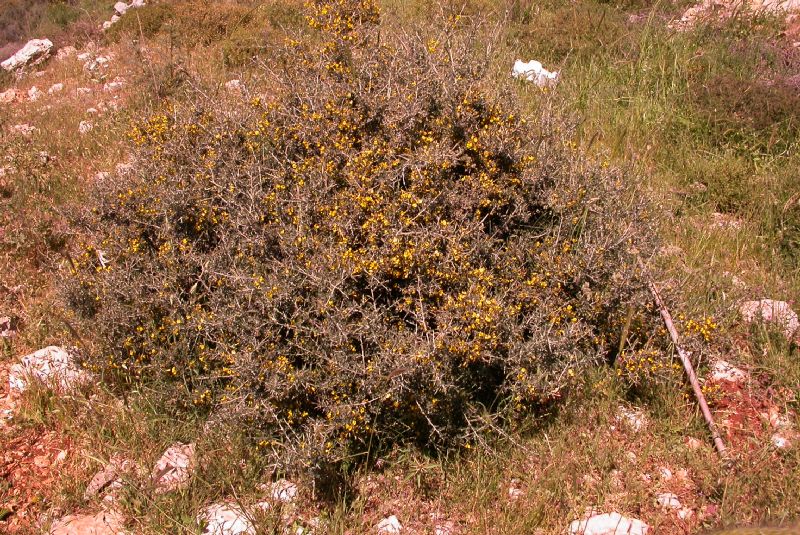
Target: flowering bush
point(383, 249)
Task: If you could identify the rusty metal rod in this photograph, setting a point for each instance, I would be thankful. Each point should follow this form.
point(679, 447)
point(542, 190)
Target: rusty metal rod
point(687, 365)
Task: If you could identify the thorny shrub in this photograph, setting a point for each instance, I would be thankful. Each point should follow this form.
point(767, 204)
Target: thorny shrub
point(386, 249)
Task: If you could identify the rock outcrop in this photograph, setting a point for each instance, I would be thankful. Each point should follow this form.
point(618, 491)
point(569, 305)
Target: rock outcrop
point(34, 52)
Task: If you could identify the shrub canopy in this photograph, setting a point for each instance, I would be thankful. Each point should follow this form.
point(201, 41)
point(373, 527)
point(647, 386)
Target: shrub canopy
point(381, 249)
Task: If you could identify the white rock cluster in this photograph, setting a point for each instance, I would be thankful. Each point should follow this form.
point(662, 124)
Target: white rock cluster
point(120, 8)
point(228, 518)
point(722, 9)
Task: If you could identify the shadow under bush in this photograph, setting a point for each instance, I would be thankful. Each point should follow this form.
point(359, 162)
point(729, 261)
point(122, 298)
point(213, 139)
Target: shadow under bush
point(382, 250)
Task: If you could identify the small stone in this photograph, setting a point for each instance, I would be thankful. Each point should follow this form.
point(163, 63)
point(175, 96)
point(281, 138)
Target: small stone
point(115, 85)
point(281, 491)
point(389, 526)
point(66, 52)
point(124, 168)
point(725, 222)
point(234, 86)
point(724, 372)
point(608, 524)
point(109, 478)
point(685, 513)
point(34, 94)
point(34, 52)
point(665, 473)
point(85, 127)
point(735, 280)
point(83, 90)
point(42, 461)
point(100, 62)
point(23, 129)
point(174, 468)
point(445, 528)
point(121, 7)
point(284, 491)
point(698, 187)
point(92, 111)
point(634, 418)
point(780, 441)
point(6, 329)
point(9, 96)
point(106, 25)
point(668, 500)
point(225, 519)
point(670, 250)
point(55, 88)
point(779, 313)
point(515, 491)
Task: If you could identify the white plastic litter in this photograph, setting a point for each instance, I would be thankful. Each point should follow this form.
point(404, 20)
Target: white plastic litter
point(533, 71)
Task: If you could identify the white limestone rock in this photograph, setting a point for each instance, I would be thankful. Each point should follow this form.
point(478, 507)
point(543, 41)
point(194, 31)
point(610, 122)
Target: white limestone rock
point(66, 52)
point(34, 52)
point(608, 524)
point(225, 519)
point(174, 468)
point(632, 418)
point(668, 500)
point(103, 523)
point(234, 86)
point(85, 127)
point(23, 129)
point(724, 372)
point(9, 96)
point(34, 94)
point(115, 85)
point(779, 313)
point(52, 366)
point(389, 526)
point(121, 7)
